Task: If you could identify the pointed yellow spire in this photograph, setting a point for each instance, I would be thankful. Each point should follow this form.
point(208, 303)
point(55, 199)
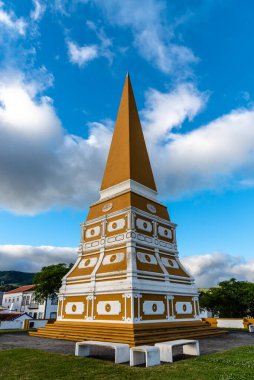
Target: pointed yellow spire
point(128, 158)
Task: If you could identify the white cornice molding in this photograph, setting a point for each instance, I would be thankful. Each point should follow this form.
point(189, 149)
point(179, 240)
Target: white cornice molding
point(128, 185)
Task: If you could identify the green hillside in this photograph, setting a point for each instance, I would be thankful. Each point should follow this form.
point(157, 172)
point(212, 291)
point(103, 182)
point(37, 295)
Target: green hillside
point(15, 278)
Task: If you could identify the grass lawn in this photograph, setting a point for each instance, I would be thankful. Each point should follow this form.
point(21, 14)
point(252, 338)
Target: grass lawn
point(21, 331)
point(12, 331)
point(30, 364)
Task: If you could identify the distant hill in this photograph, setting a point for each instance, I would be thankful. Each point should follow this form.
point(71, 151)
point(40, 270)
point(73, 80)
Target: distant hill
point(15, 278)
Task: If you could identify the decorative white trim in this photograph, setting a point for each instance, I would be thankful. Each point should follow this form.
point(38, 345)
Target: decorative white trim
point(169, 263)
point(133, 210)
point(147, 258)
point(128, 185)
point(113, 258)
point(116, 225)
point(92, 232)
point(75, 308)
point(151, 208)
point(153, 307)
point(165, 232)
point(107, 207)
point(108, 308)
point(184, 307)
point(136, 320)
point(88, 262)
point(144, 225)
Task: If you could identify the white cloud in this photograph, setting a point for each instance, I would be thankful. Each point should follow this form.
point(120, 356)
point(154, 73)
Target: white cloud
point(210, 269)
point(42, 167)
point(154, 39)
point(22, 117)
point(9, 21)
point(38, 11)
point(28, 258)
point(218, 155)
point(81, 55)
point(165, 111)
point(105, 43)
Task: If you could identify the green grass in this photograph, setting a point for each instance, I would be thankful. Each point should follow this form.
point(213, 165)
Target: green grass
point(12, 331)
point(30, 364)
point(21, 331)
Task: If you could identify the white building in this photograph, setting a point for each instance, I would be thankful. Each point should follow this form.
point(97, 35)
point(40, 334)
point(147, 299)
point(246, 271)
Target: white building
point(23, 300)
point(12, 320)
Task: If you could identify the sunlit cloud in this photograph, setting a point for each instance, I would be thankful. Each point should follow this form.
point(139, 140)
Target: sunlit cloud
point(81, 55)
point(210, 269)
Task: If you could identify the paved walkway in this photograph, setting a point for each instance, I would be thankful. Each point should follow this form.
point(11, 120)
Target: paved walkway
point(207, 346)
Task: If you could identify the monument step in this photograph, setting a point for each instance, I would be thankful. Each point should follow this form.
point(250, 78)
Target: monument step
point(131, 334)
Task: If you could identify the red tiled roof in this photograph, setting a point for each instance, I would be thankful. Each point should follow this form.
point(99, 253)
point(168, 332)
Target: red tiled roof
point(20, 289)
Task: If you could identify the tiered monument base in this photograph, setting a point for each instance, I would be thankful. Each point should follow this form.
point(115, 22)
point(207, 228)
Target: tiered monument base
point(134, 335)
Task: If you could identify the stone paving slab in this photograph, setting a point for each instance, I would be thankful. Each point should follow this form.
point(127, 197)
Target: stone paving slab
point(207, 345)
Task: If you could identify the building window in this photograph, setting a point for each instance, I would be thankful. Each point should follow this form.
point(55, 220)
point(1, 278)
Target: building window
point(40, 315)
point(27, 300)
point(54, 300)
point(17, 299)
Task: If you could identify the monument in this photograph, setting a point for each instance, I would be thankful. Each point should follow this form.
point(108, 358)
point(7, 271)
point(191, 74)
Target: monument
point(128, 284)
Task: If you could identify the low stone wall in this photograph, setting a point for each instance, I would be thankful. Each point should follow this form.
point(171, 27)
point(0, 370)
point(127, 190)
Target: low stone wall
point(8, 325)
point(229, 323)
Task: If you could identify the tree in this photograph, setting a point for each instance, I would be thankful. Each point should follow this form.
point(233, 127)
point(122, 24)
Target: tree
point(48, 281)
point(231, 299)
point(6, 287)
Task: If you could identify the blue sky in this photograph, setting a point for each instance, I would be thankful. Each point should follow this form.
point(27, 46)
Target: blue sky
point(62, 66)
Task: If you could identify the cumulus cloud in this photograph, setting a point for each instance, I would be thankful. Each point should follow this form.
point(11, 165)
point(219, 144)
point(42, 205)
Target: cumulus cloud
point(28, 258)
point(81, 55)
point(210, 269)
point(154, 40)
point(40, 165)
point(43, 167)
point(10, 22)
point(217, 155)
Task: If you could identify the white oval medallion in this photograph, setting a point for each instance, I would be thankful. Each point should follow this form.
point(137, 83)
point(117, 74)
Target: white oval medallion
point(107, 207)
point(144, 225)
point(114, 258)
point(153, 307)
point(184, 307)
point(88, 262)
point(169, 263)
point(116, 225)
point(151, 208)
point(74, 308)
point(165, 232)
point(108, 308)
point(146, 258)
point(92, 232)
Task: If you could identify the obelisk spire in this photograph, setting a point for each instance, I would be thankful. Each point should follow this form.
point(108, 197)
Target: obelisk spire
point(128, 158)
